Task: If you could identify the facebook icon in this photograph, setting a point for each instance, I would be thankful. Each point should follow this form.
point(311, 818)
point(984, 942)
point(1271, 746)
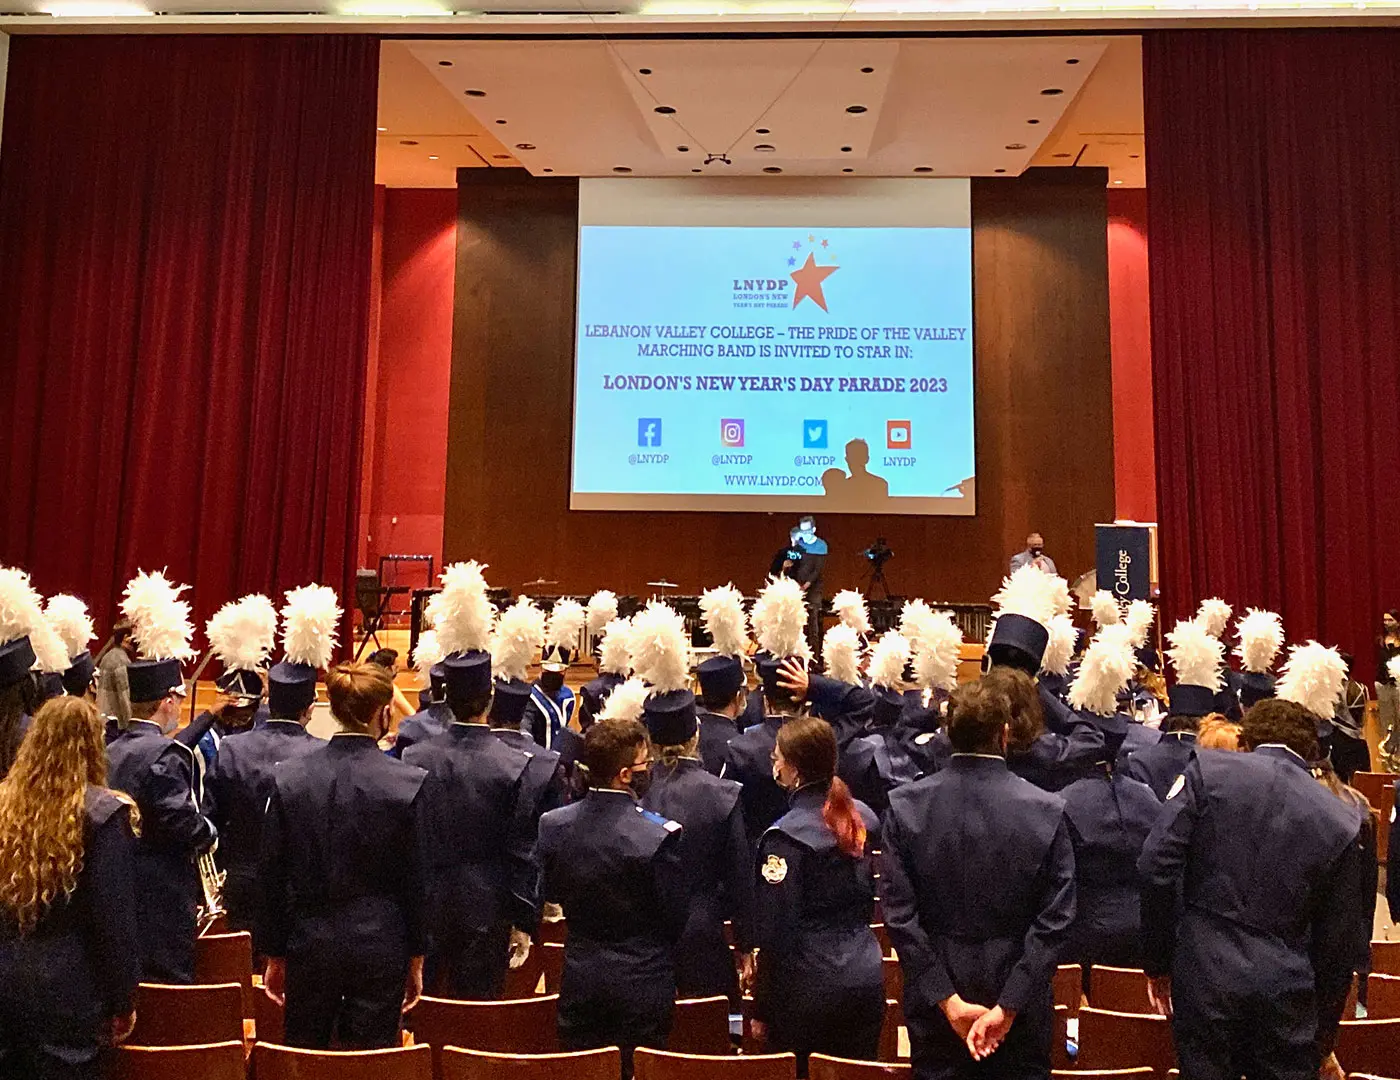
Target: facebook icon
point(649, 431)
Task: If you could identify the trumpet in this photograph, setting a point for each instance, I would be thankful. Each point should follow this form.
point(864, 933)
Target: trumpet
point(211, 880)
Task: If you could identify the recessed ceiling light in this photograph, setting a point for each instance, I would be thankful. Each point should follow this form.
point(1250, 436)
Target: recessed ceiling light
point(1032, 121)
point(524, 146)
point(501, 157)
point(644, 71)
point(682, 149)
point(444, 63)
point(500, 121)
point(856, 109)
point(867, 70)
point(1135, 156)
point(621, 169)
point(998, 170)
point(1051, 91)
point(546, 170)
point(1118, 181)
point(845, 149)
point(760, 131)
point(1015, 146)
point(476, 93)
point(664, 110)
point(383, 129)
point(432, 157)
point(695, 170)
point(1063, 155)
point(923, 168)
point(1072, 60)
point(772, 169)
point(848, 170)
point(765, 148)
point(408, 142)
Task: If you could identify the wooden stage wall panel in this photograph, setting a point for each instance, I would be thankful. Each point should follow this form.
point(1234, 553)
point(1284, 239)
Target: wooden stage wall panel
point(1044, 407)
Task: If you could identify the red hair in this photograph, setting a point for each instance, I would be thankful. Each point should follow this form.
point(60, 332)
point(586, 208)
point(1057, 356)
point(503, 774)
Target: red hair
point(809, 745)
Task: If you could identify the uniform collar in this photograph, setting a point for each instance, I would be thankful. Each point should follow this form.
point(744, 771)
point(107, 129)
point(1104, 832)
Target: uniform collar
point(810, 795)
point(1283, 753)
point(611, 796)
point(283, 720)
point(977, 762)
point(1182, 736)
point(353, 742)
point(149, 723)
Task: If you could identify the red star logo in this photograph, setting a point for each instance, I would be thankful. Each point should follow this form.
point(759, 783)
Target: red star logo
point(809, 282)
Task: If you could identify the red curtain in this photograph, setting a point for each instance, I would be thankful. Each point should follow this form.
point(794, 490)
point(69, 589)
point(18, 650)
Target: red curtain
point(185, 260)
point(1273, 182)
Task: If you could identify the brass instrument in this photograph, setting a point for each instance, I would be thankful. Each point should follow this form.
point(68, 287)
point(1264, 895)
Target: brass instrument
point(211, 880)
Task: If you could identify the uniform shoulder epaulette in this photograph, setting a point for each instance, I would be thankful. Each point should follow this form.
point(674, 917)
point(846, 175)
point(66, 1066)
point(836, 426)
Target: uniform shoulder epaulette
point(665, 823)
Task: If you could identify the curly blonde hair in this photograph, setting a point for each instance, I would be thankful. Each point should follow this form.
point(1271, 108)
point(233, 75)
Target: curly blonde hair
point(42, 802)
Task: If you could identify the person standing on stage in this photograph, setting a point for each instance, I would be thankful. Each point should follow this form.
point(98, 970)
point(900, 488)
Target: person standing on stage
point(808, 574)
point(1196, 657)
point(714, 847)
point(1034, 555)
point(1249, 878)
point(241, 781)
point(617, 870)
point(723, 686)
point(977, 886)
point(158, 773)
point(343, 882)
point(819, 984)
point(113, 697)
point(1388, 688)
point(433, 716)
point(69, 948)
point(478, 829)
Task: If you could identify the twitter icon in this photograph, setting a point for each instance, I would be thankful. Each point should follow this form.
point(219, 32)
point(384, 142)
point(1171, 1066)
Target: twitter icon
point(814, 434)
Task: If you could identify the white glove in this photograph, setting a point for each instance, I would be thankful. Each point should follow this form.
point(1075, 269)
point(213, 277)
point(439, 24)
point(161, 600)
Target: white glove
point(519, 948)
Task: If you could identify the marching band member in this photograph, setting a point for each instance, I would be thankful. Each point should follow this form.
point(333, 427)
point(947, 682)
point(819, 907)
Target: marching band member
point(601, 613)
point(434, 716)
point(723, 685)
point(518, 636)
point(69, 617)
point(1195, 656)
point(21, 614)
point(552, 703)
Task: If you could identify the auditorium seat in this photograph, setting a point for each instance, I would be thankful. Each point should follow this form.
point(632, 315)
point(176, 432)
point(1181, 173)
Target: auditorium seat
point(214, 1061)
point(226, 958)
point(1117, 989)
point(1383, 999)
point(273, 1062)
point(664, 1065)
point(821, 1067)
point(1373, 1076)
point(883, 937)
point(894, 979)
point(892, 1021)
point(524, 981)
point(269, 1019)
point(1069, 987)
point(1385, 957)
point(1142, 1073)
point(1059, 1041)
point(459, 1064)
point(552, 961)
point(526, 1026)
point(1371, 1046)
point(217, 925)
point(701, 1026)
point(187, 1015)
point(555, 930)
point(1119, 1040)
point(1379, 789)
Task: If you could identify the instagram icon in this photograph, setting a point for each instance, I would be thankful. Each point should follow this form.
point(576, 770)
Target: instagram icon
point(731, 432)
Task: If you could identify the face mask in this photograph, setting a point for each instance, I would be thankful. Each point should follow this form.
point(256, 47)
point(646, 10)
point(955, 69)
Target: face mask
point(778, 779)
point(641, 782)
point(1037, 550)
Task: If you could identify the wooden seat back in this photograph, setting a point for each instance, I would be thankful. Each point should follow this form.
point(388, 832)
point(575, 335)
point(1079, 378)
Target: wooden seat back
point(187, 1015)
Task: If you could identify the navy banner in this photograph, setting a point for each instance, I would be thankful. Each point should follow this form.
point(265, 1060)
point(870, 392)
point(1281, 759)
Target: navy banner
point(1124, 561)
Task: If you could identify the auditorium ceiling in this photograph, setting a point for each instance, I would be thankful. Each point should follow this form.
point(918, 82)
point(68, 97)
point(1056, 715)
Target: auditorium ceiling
point(865, 106)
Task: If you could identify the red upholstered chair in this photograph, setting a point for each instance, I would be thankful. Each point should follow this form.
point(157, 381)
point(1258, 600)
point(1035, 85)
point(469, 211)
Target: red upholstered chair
point(526, 1026)
point(1116, 1040)
point(664, 1065)
point(552, 960)
point(524, 981)
point(1385, 957)
point(187, 1015)
point(889, 1031)
point(269, 1020)
point(883, 937)
point(272, 1062)
point(701, 1026)
point(1059, 1041)
point(1103, 1074)
point(822, 1067)
point(1119, 989)
point(1069, 987)
point(217, 1061)
point(226, 958)
point(1383, 999)
point(894, 979)
point(554, 930)
point(1370, 1046)
point(459, 1064)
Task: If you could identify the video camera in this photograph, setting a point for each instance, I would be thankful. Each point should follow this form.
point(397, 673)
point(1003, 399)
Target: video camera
point(878, 553)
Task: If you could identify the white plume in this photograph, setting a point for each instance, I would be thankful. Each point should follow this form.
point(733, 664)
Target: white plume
point(602, 609)
point(887, 660)
point(1313, 676)
point(615, 648)
point(1139, 619)
point(50, 654)
point(660, 648)
point(779, 619)
point(1107, 665)
point(160, 620)
point(566, 619)
point(1195, 655)
point(1261, 639)
point(851, 610)
point(1028, 592)
point(1103, 606)
point(428, 651)
point(310, 621)
point(626, 701)
point(70, 619)
point(841, 653)
point(1059, 650)
point(1060, 595)
point(243, 632)
point(722, 610)
point(916, 622)
point(1392, 666)
point(1214, 615)
point(936, 656)
point(519, 634)
point(461, 610)
point(20, 611)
